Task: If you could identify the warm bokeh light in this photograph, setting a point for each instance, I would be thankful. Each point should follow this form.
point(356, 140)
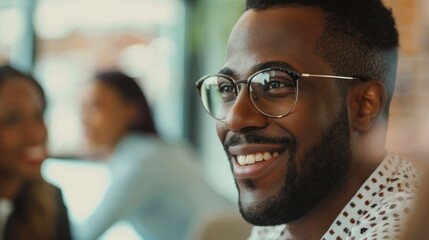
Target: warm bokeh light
point(408, 128)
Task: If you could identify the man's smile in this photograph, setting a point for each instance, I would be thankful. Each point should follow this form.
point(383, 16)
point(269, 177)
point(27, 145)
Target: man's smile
point(255, 160)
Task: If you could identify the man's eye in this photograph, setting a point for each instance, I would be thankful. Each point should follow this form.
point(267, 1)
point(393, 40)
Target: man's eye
point(226, 89)
point(275, 84)
point(278, 88)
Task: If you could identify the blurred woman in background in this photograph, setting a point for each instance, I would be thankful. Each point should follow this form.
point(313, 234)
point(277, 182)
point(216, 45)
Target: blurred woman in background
point(30, 208)
point(157, 186)
point(114, 106)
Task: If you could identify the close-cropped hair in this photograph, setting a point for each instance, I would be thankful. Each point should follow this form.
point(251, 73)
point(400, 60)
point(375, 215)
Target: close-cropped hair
point(360, 38)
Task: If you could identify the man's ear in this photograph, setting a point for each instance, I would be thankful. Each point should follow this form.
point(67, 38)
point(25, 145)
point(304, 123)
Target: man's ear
point(366, 104)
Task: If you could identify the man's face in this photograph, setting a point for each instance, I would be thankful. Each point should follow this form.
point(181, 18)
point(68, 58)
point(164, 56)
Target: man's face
point(306, 153)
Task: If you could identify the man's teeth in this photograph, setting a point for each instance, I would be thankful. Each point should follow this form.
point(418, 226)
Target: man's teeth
point(257, 157)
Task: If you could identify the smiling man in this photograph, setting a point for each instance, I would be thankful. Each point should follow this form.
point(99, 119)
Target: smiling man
point(302, 106)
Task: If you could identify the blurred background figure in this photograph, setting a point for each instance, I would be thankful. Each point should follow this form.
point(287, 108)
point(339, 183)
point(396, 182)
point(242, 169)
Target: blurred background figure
point(30, 208)
point(158, 187)
point(114, 106)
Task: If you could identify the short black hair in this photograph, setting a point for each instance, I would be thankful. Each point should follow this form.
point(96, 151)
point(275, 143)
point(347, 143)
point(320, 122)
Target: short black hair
point(359, 38)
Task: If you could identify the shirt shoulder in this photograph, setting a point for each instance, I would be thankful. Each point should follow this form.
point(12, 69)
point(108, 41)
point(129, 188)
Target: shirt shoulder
point(383, 201)
point(390, 207)
point(385, 220)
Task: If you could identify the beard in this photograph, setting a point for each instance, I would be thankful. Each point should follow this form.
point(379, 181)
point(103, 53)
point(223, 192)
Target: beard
point(322, 169)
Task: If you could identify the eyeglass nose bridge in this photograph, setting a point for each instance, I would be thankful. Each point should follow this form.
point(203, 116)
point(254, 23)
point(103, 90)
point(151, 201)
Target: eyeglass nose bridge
point(252, 96)
point(247, 91)
point(237, 83)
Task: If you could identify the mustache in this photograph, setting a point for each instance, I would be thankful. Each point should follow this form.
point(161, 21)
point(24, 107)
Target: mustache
point(256, 138)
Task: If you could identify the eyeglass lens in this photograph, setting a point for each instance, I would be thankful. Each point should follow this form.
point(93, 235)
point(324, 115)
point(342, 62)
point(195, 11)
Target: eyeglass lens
point(273, 92)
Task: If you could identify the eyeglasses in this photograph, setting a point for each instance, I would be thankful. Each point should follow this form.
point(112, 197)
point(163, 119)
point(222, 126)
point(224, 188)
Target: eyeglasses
point(273, 91)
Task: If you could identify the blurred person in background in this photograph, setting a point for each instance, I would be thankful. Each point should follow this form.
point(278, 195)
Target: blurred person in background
point(156, 186)
point(30, 208)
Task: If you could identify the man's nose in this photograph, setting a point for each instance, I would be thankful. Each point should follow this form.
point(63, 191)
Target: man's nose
point(243, 116)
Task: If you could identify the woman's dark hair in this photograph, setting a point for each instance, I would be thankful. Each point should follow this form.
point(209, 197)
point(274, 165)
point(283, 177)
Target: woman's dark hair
point(130, 91)
point(8, 73)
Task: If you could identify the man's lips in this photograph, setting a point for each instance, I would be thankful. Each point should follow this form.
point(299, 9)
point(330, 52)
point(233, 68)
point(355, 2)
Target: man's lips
point(255, 160)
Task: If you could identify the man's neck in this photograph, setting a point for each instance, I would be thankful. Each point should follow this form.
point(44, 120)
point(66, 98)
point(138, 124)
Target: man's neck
point(315, 224)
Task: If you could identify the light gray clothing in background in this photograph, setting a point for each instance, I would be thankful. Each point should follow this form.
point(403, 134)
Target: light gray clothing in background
point(159, 188)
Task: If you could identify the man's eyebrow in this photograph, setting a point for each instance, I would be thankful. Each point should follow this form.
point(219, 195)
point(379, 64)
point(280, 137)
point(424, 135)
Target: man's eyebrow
point(265, 65)
point(258, 67)
point(227, 71)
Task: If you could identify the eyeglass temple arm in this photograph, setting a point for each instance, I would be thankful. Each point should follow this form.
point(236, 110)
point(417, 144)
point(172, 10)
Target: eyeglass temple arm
point(329, 76)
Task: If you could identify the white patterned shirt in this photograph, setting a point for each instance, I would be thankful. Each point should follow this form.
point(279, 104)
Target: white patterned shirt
point(377, 210)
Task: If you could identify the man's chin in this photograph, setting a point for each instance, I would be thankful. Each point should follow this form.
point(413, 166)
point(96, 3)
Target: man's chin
point(265, 212)
point(252, 217)
point(269, 214)
point(259, 205)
